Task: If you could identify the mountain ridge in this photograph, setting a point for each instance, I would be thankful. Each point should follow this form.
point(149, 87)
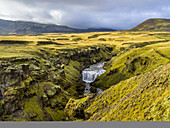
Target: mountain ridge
point(27, 27)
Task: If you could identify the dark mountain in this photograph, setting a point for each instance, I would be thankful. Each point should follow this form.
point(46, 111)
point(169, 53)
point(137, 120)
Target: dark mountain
point(23, 27)
point(153, 25)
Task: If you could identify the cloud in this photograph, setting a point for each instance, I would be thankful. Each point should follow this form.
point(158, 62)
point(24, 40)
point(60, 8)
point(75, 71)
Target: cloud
point(116, 14)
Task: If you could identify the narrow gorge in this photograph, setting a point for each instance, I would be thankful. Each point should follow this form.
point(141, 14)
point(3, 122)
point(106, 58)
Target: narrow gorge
point(111, 76)
point(38, 88)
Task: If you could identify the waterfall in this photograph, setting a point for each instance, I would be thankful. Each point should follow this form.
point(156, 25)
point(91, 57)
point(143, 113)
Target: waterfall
point(90, 74)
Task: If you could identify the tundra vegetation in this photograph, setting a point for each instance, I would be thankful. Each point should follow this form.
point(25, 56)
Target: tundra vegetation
point(40, 76)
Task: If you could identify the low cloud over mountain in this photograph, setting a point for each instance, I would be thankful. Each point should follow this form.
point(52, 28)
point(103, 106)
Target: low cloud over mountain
point(116, 14)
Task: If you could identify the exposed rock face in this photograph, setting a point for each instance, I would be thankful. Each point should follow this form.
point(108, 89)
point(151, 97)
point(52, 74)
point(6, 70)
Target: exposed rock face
point(75, 108)
point(47, 82)
point(133, 64)
point(12, 101)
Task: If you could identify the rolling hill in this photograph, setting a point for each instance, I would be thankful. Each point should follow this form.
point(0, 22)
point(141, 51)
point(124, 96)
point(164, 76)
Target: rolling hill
point(153, 25)
point(24, 27)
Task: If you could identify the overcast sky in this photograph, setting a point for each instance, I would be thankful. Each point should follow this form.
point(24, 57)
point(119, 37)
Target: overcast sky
point(116, 14)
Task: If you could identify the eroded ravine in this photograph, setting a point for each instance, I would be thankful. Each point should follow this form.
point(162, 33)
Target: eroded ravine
point(33, 88)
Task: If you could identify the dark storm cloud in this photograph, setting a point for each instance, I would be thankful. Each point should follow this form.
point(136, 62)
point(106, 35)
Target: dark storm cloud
point(118, 14)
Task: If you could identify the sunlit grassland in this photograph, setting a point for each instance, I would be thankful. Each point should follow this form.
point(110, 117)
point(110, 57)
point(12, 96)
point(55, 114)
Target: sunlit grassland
point(133, 69)
point(74, 40)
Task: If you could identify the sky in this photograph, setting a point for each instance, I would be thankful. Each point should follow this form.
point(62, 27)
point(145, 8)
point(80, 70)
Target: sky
point(115, 14)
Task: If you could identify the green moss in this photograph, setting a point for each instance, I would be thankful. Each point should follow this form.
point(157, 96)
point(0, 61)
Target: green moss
point(72, 75)
point(137, 99)
point(57, 115)
point(71, 72)
point(129, 64)
point(11, 91)
point(33, 110)
point(75, 108)
point(33, 89)
point(13, 82)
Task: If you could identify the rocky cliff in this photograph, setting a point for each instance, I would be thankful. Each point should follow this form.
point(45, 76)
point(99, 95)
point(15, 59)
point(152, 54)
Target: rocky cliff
point(38, 88)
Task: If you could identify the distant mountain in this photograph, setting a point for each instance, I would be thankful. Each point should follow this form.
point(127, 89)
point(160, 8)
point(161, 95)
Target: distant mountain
point(24, 27)
point(153, 25)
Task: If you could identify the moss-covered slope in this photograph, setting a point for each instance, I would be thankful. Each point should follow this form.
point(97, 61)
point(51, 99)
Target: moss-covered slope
point(140, 98)
point(133, 61)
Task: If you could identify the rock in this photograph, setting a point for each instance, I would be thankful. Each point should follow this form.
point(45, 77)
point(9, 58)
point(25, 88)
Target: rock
point(4, 64)
point(22, 78)
point(62, 66)
point(98, 49)
point(25, 68)
point(138, 73)
point(34, 68)
point(57, 55)
point(133, 64)
point(47, 64)
point(109, 49)
point(93, 89)
point(75, 108)
point(51, 89)
point(45, 97)
point(94, 61)
point(12, 101)
point(50, 93)
point(113, 71)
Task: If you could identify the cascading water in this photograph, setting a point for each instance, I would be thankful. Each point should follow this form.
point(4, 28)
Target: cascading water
point(90, 74)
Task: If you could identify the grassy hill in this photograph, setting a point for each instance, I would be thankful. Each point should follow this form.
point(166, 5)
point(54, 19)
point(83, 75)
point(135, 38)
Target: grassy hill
point(153, 25)
point(23, 27)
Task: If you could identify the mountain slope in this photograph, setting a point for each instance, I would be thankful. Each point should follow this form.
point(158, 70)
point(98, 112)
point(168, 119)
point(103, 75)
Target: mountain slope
point(153, 25)
point(22, 27)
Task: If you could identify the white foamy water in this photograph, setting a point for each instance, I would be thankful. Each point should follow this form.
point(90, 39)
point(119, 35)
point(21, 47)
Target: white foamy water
point(90, 74)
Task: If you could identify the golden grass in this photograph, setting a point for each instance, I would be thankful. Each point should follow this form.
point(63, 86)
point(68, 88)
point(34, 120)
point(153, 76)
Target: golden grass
point(118, 38)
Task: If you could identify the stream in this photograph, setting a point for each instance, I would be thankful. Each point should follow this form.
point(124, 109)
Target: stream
point(90, 74)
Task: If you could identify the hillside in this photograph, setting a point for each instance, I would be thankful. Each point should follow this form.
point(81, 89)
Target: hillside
point(23, 27)
point(153, 25)
point(40, 76)
point(140, 98)
point(138, 81)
